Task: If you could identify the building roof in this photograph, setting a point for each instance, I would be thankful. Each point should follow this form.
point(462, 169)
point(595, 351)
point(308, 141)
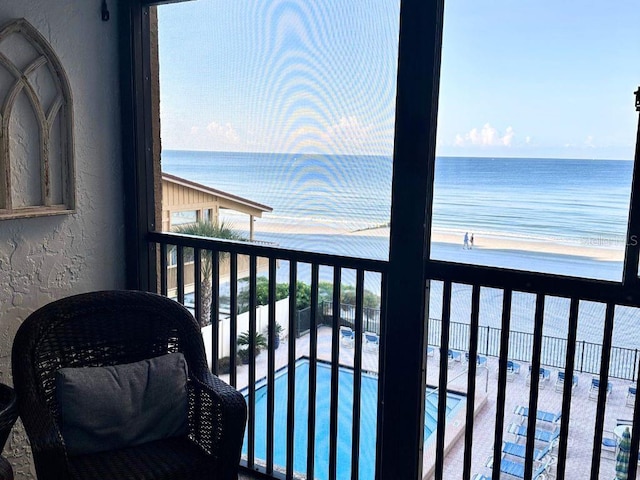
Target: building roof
point(212, 191)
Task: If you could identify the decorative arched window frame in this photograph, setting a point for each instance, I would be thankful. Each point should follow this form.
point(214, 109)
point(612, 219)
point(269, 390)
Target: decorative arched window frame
point(58, 111)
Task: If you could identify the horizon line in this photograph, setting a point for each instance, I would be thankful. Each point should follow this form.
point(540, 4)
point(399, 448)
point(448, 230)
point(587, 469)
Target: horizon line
point(484, 157)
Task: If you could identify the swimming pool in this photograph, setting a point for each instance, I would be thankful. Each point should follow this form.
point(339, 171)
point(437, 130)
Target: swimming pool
point(368, 409)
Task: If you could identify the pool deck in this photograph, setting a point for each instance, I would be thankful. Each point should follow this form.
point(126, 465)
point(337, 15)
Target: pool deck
point(581, 423)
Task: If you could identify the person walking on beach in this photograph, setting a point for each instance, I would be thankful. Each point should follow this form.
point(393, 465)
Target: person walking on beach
point(465, 245)
point(471, 242)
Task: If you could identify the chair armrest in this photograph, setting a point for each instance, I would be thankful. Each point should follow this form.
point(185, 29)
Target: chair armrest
point(217, 418)
point(49, 453)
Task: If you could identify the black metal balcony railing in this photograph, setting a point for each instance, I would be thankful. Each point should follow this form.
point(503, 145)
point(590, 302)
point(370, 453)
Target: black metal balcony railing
point(602, 360)
point(206, 257)
point(624, 361)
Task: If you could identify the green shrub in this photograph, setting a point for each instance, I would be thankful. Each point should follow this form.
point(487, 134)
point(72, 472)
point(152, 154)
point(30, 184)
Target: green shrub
point(260, 342)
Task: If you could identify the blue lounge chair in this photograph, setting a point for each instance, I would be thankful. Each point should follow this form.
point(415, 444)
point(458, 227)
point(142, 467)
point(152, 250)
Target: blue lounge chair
point(430, 351)
point(559, 387)
point(541, 415)
point(631, 397)
point(595, 388)
point(454, 356)
point(546, 436)
point(481, 476)
point(481, 361)
point(517, 450)
point(513, 369)
point(610, 444)
point(347, 336)
point(516, 469)
point(371, 340)
point(545, 375)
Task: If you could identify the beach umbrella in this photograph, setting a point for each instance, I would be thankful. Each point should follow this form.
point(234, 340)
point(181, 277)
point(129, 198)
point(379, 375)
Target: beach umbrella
point(622, 459)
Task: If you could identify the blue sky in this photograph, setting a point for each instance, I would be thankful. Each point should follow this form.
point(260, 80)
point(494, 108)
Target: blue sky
point(522, 78)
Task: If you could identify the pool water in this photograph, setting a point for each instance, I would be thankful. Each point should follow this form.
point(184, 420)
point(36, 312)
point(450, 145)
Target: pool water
point(368, 416)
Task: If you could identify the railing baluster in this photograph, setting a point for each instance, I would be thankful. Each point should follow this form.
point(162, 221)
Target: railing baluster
point(251, 387)
point(335, 358)
point(502, 382)
point(291, 366)
point(357, 377)
point(233, 318)
point(381, 362)
point(197, 291)
point(313, 349)
point(486, 347)
point(215, 310)
point(163, 269)
point(535, 383)
point(602, 392)
point(271, 328)
point(471, 381)
point(442, 382)
point(180, 272)
point(567, 388)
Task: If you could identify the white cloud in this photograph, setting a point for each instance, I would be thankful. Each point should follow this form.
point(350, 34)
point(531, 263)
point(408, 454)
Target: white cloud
point(589, 141)
point(486, 136)
point(225, 133)
point(349, 126)
point(212, 136)
point(348, 135)
point(474, 136)
point(508, 137)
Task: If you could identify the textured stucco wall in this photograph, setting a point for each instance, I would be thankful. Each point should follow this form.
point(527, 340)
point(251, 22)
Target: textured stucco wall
point(42, 259)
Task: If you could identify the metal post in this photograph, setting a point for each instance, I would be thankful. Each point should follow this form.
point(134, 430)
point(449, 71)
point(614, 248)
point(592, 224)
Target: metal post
point(486, 351)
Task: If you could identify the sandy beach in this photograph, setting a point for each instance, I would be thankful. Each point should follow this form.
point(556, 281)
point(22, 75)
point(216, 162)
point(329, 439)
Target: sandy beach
point(504, 243)
point(572, 247)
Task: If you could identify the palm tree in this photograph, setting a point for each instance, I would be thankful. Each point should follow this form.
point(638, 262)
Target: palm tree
point(209, 230)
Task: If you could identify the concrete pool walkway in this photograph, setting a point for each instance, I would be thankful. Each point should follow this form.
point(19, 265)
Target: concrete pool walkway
point(581, 424)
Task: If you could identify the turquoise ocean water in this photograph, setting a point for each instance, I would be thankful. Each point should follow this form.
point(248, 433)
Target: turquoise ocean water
point(567, 202)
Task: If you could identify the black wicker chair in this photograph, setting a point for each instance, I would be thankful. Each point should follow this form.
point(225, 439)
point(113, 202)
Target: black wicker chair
point(111, 328)
point(8, 416)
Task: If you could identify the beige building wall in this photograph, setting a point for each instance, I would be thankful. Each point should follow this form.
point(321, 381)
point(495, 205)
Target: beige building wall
point(182, 195)
point(178, 198)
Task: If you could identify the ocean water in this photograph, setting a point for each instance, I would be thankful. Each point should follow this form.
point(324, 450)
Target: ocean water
point(535, 199)
point(566, 202)
point(347, 191)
